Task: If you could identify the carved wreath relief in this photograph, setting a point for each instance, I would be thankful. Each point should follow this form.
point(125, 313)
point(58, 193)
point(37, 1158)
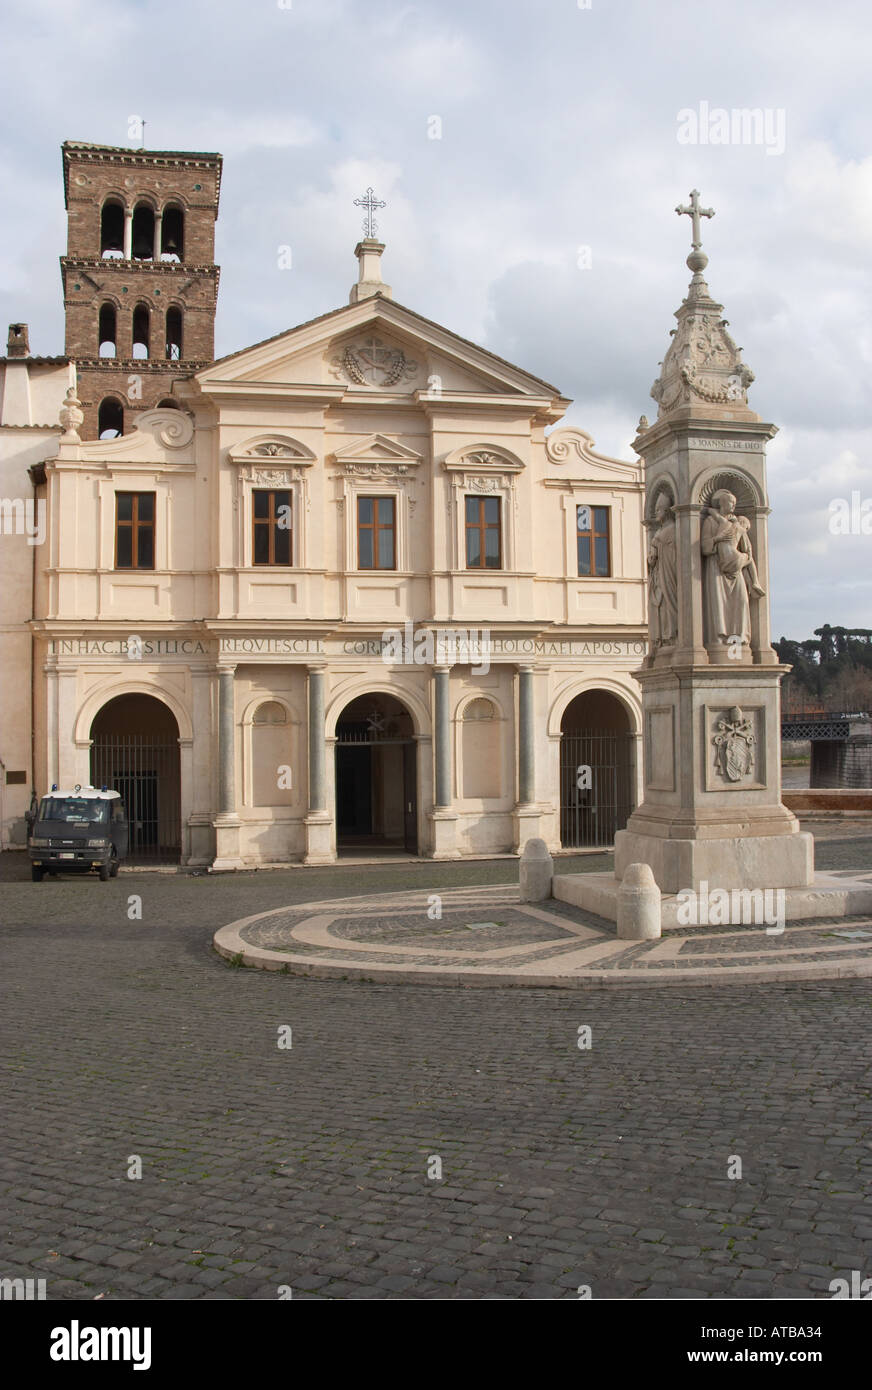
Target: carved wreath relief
point(734, 741)
point(372, 363)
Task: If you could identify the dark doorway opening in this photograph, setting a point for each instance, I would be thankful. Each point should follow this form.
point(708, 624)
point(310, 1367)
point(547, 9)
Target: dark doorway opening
point(376, 777)
point(135, 751)
point(597, 770)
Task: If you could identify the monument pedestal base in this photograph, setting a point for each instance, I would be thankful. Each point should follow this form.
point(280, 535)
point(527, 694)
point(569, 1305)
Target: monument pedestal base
point(828, 895)
point(750, 861)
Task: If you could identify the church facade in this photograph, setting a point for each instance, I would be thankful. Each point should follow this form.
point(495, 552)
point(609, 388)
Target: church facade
point(351, 588)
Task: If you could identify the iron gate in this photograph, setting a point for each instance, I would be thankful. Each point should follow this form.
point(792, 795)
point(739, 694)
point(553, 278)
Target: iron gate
point(597, 781)
point(145, 771)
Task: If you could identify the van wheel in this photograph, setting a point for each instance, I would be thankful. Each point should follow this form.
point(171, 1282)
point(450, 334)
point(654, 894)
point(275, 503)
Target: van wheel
point(104, 873)
point(113, 867)
point(36, 872)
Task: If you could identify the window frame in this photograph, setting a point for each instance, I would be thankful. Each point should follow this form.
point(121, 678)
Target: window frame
point(272, 524)
point(592, 535)
point(482, 526)
point(135, 526)
point(374, 527)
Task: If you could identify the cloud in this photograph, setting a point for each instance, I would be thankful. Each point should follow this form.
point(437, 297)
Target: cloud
point(558, 131)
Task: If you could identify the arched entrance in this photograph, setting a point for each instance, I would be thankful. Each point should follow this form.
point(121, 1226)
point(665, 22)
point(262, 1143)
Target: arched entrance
point(376, 775)
point(135, 750)
point(597, 771)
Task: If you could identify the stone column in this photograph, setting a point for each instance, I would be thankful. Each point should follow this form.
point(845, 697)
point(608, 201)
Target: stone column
point(442, 735)
point(158, 235)
point(443, 818)
point(690, 646)
point(761, 629)
point(226, 742)
point(526, 815)
point(526, 737)
point(319, 821)
point(74, 764)
point(197, 808)
point(51, 727)
point(227, 825)
point(128, 234)
point(317, 752)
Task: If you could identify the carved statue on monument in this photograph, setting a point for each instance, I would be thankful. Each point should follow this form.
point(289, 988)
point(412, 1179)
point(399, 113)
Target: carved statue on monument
point(730, 573)
point(663, 577)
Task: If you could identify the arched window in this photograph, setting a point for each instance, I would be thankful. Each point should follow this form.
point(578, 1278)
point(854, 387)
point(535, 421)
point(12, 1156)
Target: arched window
point(480, 750)
point(110, 418)
point(271, 712)
point(107, 332)
point(174, 334)
point(140, 330)
point(271, 783)
point(143, 232)
point(112, 230)
point(172, 242)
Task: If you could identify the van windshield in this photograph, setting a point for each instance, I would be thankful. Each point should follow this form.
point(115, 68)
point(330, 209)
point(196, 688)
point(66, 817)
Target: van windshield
point(74, 810)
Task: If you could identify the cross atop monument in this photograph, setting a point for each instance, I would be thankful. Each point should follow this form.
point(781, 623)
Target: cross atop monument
point(370, 202)
point(695, 212)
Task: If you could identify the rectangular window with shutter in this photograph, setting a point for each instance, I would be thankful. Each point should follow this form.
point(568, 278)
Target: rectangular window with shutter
point(134, 530)
point(376, 533)
point(483, 533)
point(271, 527)
point(594, 546)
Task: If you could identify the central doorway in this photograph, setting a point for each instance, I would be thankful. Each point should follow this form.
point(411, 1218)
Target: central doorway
point(376, 776)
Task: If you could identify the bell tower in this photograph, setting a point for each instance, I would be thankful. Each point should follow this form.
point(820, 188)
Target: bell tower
point(140, 279)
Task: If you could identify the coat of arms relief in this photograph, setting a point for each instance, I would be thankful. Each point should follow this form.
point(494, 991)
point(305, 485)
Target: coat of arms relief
point(372, 362)
point(734, 741)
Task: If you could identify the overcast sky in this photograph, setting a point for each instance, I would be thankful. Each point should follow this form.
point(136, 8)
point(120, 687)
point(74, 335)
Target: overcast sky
point(559, 130)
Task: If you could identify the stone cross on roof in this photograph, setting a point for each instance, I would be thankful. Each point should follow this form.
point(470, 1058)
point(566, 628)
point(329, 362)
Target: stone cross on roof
point(370, 202)
point(695, 212)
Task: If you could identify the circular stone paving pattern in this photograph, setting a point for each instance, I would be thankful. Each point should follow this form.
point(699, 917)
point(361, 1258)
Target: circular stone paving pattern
point(486, 936)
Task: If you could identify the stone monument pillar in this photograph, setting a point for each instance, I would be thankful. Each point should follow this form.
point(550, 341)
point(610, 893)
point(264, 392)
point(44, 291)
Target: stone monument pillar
point(712, 805)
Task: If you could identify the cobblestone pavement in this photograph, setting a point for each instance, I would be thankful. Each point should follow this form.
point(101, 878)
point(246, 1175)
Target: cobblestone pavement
point(308, 1166)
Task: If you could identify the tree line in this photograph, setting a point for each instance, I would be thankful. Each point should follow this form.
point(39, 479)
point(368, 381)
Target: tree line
point(832, 670)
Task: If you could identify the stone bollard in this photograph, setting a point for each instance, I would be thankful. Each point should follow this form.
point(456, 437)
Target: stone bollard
point(638, 904)
point(537, 871)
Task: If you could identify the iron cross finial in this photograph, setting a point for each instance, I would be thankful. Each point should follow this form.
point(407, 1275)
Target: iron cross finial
point(695, 212)
point(370, 202)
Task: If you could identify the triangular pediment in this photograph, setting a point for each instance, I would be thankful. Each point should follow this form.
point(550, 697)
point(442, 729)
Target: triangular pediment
point(375, 449)
point(375, 346)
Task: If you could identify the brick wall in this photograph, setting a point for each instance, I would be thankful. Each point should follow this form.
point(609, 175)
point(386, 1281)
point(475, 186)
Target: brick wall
point(159, 180)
